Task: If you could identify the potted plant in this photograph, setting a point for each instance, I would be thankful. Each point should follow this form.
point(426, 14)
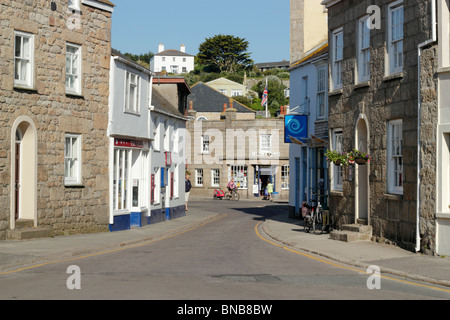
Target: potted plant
point(360, 157)
point(337, 158)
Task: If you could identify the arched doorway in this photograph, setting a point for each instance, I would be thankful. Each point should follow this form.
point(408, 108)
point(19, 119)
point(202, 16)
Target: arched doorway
point(23, 171)
point(362, 173)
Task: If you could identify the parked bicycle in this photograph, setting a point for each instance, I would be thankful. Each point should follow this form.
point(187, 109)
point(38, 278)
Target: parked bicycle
point(232, 195)
point(311, 217)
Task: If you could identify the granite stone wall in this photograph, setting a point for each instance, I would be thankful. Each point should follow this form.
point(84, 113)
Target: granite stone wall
point(66, 210)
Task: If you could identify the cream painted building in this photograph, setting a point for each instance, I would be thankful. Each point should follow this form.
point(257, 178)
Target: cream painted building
point(231, 88)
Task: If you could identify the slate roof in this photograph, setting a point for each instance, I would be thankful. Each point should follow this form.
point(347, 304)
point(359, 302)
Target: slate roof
point(173, 53)
point(107, 2)
point(163, 105)
point(207, 99)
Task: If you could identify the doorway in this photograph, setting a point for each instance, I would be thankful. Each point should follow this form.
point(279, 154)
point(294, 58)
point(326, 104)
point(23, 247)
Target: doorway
point(362, 174)
point(24, 171)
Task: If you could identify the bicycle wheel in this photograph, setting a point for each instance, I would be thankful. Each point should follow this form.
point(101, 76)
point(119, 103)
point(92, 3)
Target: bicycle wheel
point(306, 224)
point(313, 223)
point(236, 196)
point(318, 225)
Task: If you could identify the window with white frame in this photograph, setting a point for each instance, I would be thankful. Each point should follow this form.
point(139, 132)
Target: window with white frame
point(363, 50)
point(132, 92)
point(395, 158)
point(338, 176)
point(176, 138)
point(338, 57)
point(285, 177)
point(73, 69)
point(74, 4)
point(23, 59)
point(157, 186)
point(199, 177)
point(205, 144)
point(166, 135)
point(156, 134)
point(395, 37)
point(239, 174)
point(236, 92)
point(215, 177)
point(222, 91)
point(121, 172)
point(72, 159)
point(265, 143)
point(176, 186)
point(321, 88)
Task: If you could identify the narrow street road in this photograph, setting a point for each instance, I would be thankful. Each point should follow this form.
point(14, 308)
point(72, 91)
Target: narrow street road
point(225, 259)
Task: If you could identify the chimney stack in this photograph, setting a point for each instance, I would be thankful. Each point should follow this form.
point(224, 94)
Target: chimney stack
point(160, 48)
point(183, 48)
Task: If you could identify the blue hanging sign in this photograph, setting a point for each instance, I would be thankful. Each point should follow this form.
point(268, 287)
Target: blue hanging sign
point(295, 128)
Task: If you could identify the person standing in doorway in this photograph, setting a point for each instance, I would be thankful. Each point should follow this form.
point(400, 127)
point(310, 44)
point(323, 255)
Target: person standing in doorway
point(270, 190)
point(187, 188)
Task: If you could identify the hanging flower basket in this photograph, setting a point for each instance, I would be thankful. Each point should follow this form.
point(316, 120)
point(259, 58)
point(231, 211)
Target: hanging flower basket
point(361, 161)
point(339, 159)
point(360, 157)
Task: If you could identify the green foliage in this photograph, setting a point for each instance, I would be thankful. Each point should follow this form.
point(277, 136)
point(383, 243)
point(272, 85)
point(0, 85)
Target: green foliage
point(224, 53)
point(143, 59)
point(276, 89)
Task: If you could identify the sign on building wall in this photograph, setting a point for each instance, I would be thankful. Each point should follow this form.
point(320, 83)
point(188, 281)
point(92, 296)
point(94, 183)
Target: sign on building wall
point(295, 127)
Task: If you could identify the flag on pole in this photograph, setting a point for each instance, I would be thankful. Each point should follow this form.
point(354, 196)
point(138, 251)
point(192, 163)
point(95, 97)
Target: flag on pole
point(264, 97)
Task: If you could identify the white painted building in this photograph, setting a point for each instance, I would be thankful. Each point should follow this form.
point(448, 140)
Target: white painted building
point(172, 61)
point(168, 154)
point(130, 136)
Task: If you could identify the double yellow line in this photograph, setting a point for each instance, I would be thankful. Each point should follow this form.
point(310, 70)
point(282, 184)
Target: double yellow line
point(184, 230)
point(342, 266)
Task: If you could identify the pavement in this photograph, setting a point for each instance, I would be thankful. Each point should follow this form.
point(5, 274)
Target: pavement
point(21, 255)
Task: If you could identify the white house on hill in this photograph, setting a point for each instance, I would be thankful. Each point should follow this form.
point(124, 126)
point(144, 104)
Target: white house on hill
point(172, 61)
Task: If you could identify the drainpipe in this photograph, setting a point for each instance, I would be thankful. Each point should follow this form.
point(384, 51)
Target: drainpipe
point(419, 108)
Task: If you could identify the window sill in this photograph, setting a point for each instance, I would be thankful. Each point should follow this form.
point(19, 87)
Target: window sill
point(335, 92)
point(337, 193)
point(74, 95)
point(73, 185)
point(393, 197)
point(394, 76)
point(443, 215)
point(364, 84)
point(134, 113)
point(24, 88)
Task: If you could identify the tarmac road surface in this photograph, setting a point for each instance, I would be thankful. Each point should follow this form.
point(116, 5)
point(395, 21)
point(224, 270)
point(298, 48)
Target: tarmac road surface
point(227, 258)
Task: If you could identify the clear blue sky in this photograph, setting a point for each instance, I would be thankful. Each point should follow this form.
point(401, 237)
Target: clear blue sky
point(140, 25)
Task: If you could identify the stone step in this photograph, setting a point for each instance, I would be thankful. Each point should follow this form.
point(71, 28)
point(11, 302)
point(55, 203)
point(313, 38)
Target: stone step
point(24, 223)
point(29, 233)
point(352, 232)
point(365, 229)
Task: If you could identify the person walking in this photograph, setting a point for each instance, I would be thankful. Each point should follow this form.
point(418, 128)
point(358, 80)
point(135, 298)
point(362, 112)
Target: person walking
point(187, 189)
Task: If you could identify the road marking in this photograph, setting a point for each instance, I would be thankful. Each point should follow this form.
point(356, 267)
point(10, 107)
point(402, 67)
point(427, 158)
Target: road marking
point(221, 216)
point(339, 265)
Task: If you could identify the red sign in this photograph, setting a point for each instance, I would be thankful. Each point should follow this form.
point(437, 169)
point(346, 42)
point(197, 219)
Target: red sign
point(128, 143)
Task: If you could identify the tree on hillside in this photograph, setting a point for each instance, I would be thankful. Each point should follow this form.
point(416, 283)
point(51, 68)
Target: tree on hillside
point(225, 53)
point(143, 58)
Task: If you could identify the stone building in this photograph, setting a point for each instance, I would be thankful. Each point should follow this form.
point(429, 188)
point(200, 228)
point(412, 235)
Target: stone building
point(384, 99)
point(227, 141)
point(54, 86)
